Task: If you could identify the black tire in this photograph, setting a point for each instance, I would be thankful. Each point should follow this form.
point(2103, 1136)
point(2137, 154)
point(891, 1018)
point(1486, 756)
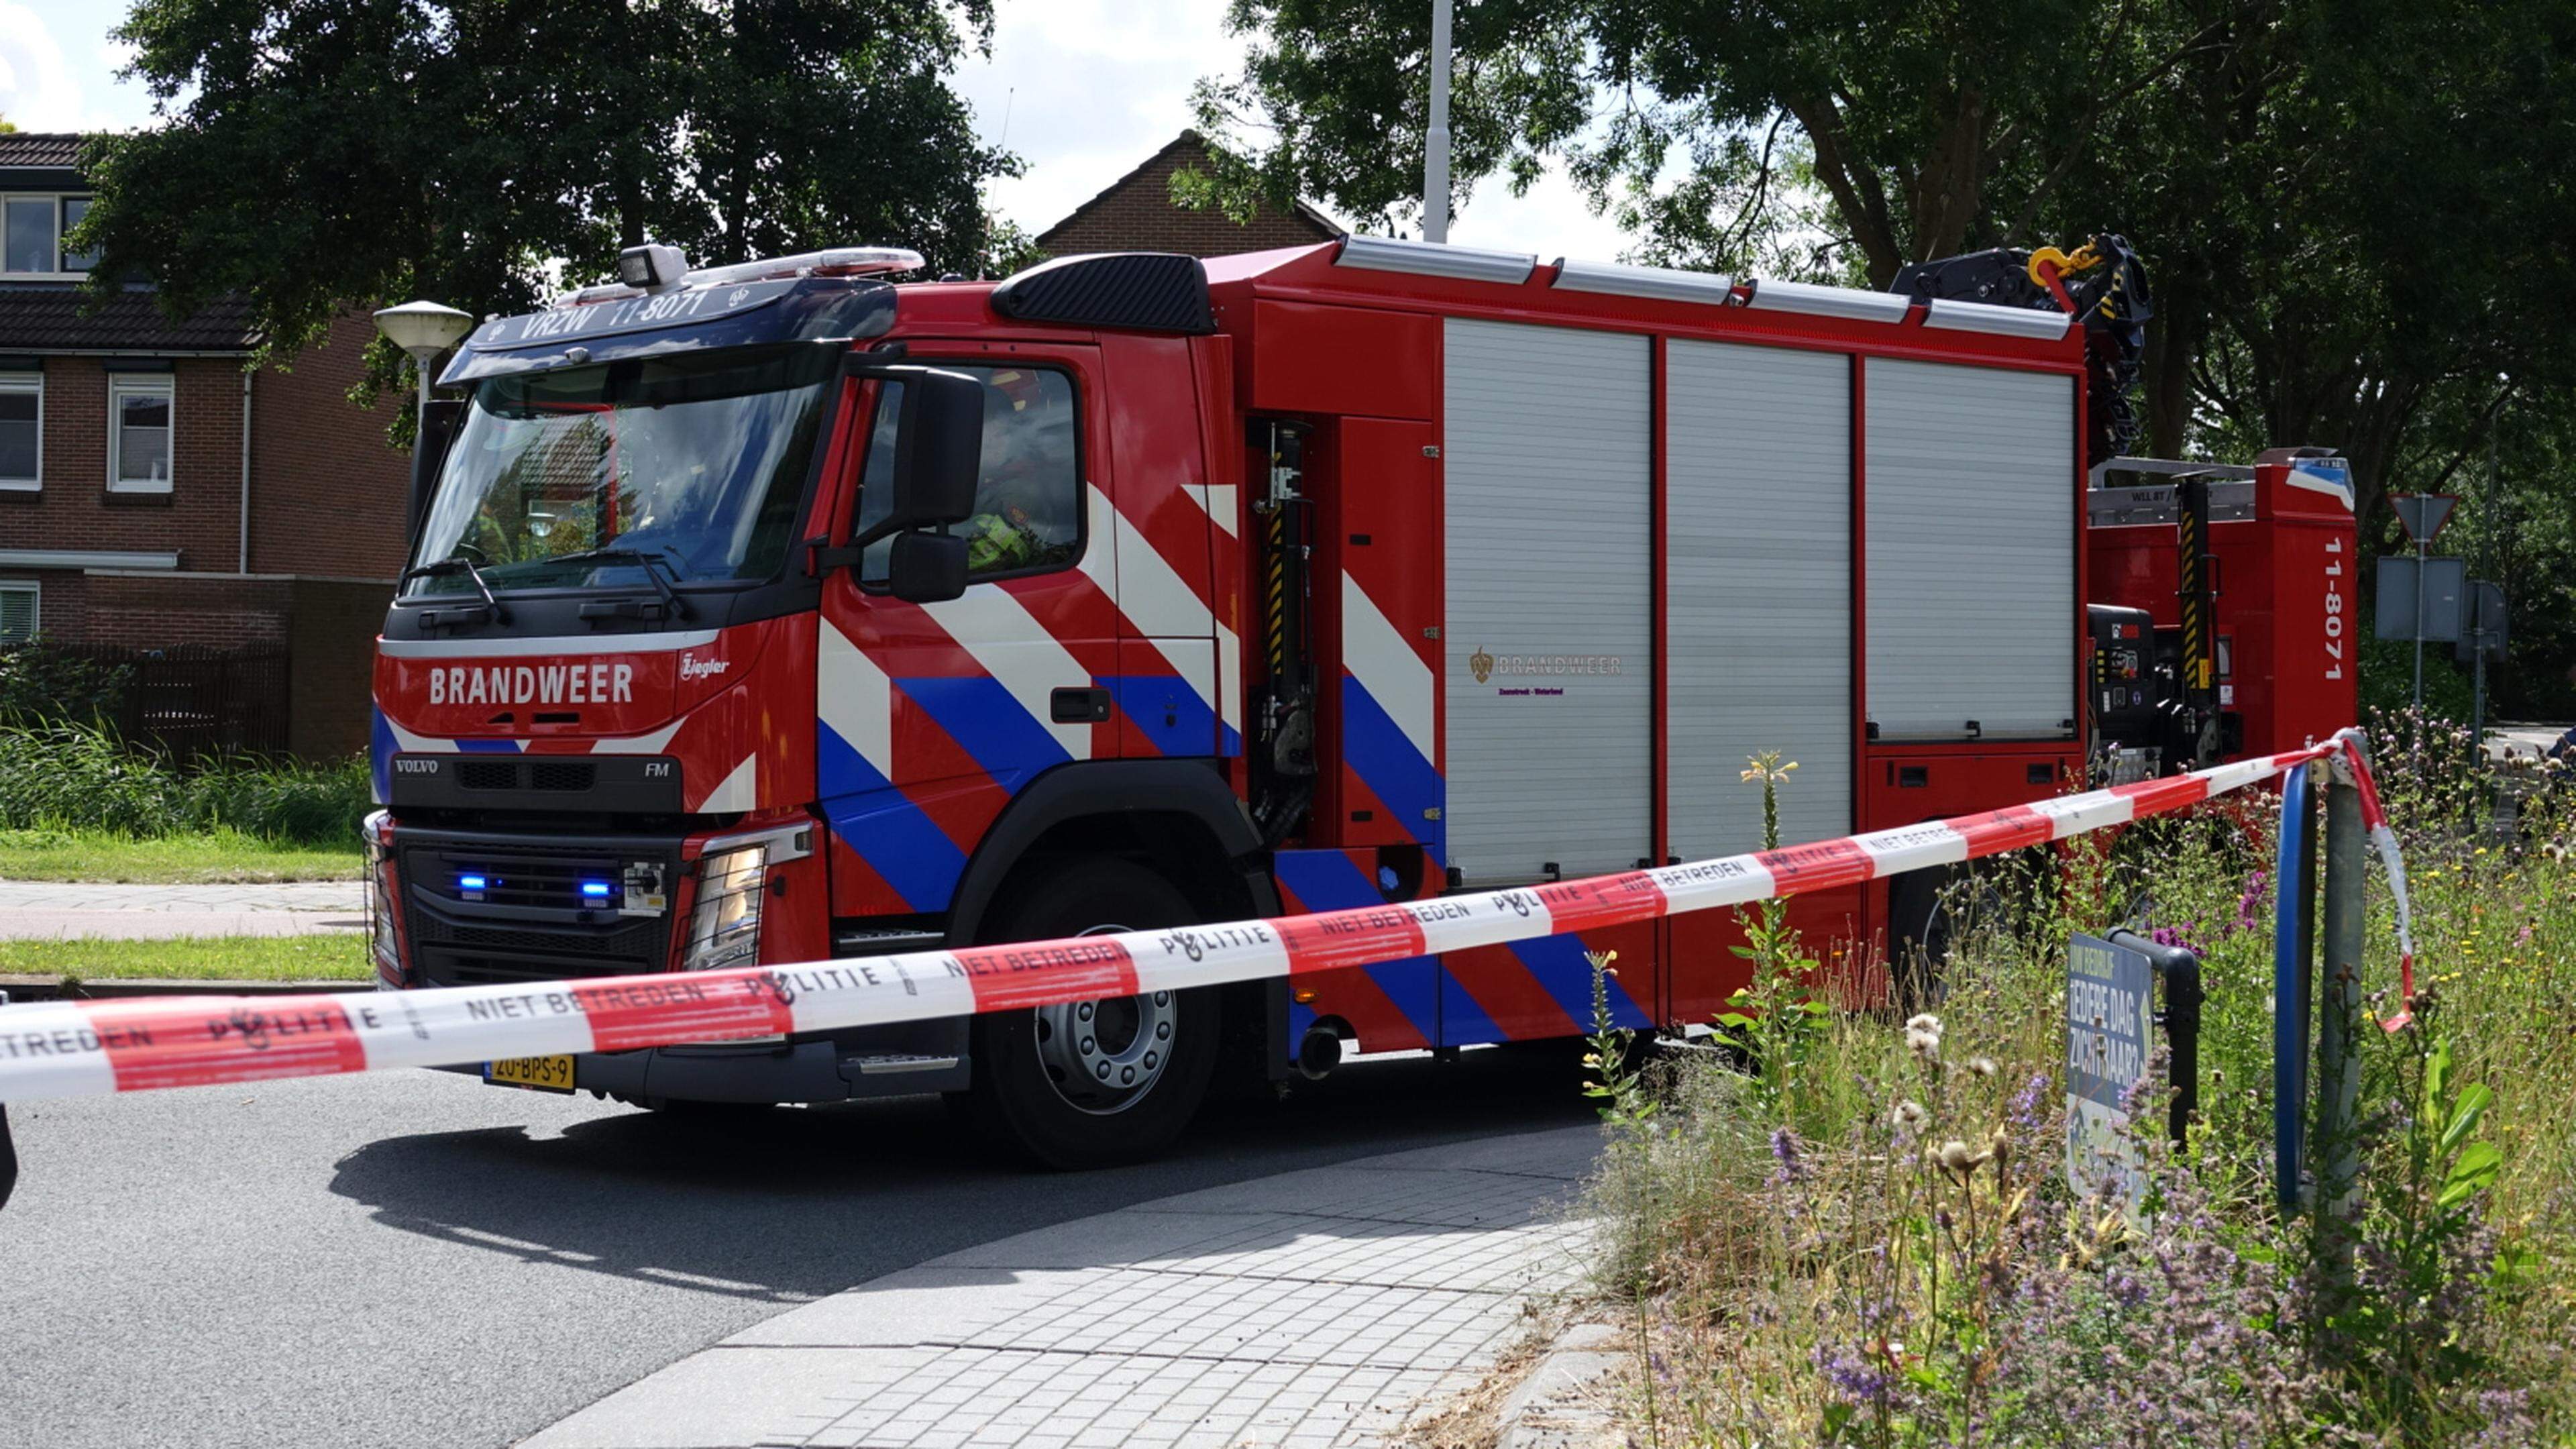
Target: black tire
point(1024, 1093)
point(1919, 928)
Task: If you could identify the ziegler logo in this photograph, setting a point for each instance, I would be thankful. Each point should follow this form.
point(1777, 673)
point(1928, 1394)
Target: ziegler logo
point(702, 668)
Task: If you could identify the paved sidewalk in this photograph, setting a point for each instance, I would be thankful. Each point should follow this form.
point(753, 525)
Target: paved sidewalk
point(1307, 1310)
point(47, 910)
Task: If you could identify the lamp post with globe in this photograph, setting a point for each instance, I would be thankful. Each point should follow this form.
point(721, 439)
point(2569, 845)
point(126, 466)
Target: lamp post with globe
point(423, 329)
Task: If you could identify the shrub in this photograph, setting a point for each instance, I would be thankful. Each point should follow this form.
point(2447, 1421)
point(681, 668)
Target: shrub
point(74, 776)
point(40, 684)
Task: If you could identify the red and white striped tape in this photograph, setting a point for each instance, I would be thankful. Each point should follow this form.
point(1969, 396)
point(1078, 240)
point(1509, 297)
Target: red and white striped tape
point(66, 1049)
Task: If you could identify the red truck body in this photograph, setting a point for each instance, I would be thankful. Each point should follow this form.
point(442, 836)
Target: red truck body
point(1546, 552)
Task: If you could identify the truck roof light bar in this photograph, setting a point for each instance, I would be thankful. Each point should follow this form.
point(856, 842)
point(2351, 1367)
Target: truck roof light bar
point(1950, 316)
point(1664, 284)
point(1435, 259)
point(1847, 302)
point(830, 262)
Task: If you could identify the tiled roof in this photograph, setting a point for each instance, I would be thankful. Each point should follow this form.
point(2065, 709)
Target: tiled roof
point(1136, 213)
point(40, 148)
point(48, 317)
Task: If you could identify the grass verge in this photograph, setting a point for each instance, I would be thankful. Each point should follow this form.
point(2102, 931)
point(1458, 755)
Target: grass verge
point(1870, 1238)
point(340, 957)
point(219, 856)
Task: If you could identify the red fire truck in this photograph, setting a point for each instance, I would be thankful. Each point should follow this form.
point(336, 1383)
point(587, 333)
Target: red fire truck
point(780, 613)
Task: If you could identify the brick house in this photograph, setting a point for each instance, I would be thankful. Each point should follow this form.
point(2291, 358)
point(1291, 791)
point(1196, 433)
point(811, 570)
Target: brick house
point(154, 493)
point(1136, 213)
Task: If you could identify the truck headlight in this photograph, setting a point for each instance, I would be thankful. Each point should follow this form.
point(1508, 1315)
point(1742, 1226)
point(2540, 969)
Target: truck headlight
point(724, 926)
point(383, 939)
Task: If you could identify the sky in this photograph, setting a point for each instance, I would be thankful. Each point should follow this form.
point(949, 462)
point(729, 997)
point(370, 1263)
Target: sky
point(1083, 90)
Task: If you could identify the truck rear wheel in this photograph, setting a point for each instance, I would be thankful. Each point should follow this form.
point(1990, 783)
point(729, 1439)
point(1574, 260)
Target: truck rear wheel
point(1098, 1082)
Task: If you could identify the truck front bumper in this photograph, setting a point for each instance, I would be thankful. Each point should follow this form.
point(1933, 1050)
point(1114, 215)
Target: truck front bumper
point(898, 1061)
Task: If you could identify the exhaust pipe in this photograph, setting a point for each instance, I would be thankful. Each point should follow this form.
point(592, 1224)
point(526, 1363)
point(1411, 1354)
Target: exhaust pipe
point(1319, 1053)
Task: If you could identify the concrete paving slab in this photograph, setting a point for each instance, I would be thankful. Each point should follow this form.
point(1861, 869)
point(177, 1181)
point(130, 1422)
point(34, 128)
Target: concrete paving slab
point(1309, 1309)
point(18, 923)
point(337, 896)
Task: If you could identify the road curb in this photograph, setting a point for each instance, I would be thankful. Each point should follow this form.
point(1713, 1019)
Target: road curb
point(1558, 1404)
point(52, 988)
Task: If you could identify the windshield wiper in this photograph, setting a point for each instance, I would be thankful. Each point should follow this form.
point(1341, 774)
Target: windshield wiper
point(488, 611)
point(651, 563)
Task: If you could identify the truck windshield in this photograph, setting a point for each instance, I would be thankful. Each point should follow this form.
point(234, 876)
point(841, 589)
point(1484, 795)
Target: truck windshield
point(691, 465)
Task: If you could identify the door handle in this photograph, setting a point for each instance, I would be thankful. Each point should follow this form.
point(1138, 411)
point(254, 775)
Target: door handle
point(1079, 706)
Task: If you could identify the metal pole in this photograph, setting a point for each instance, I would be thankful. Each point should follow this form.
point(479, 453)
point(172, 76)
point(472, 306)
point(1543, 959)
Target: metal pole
point(420, 419)
point(2335, 1150)
point(1435, 144)
point(2419, 628)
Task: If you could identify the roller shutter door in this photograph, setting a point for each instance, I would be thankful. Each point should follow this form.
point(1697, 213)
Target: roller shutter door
point(1757, 477)
point(1971, 533)
point(1547, 482)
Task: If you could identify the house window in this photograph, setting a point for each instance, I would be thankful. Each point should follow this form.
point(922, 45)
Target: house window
point(138, 436)
point(27, 232)
point(22, 431)
point(32, 229)
point(17, 612)
point(74, 208)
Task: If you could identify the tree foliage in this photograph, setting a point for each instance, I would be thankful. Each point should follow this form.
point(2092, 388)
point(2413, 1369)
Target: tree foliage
point(324, 155)
point(2354, 211)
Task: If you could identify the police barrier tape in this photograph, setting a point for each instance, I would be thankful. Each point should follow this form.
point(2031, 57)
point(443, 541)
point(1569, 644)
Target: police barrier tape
point(67, 1049)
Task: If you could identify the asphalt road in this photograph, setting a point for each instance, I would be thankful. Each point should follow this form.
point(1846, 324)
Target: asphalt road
point(417, 1259)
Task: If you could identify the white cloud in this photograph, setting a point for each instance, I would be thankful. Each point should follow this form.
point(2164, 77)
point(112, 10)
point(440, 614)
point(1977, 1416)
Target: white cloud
point(43, 89)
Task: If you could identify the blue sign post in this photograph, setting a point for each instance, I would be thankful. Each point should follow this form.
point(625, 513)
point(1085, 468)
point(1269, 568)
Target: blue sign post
point(2293, 984)
point(2110, 1021)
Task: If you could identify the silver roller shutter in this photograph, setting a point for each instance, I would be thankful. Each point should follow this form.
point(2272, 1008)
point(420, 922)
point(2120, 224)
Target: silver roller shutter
point(1971, 491)
point(1757, 478)
point(1547, 483)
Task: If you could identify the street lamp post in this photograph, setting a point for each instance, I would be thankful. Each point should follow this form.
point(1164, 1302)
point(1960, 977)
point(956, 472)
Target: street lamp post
point(423, 329)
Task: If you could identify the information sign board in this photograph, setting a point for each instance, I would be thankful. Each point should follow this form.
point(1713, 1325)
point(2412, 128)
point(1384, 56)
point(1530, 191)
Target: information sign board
point(2110, 1022)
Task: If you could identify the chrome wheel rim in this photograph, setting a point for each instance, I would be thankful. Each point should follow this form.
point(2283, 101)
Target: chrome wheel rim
point(1103, 1057)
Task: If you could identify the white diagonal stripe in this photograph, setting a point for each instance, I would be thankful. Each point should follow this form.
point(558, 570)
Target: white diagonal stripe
point(737, 791)
point(1009, 644)
point(642, 744)
point(1151, 593)
point(855, 699)
point(1386, 666)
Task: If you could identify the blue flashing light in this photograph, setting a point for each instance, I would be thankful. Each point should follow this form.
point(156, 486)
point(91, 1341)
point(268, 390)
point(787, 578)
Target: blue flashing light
point(469, 882)
point(596, 890)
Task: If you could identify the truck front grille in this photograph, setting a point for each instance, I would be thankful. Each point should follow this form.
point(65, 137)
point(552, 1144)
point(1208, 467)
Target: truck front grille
point(483, 911)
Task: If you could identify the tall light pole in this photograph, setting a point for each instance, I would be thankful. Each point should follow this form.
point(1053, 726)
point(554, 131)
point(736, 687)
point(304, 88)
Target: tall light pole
point(423, 329)
point(1435, 147)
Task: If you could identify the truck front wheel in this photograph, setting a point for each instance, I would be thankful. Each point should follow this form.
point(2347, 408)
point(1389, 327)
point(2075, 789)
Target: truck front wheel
point(1097, 1082)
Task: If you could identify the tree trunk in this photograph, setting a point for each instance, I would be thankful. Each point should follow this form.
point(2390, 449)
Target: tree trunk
point(2165, 371)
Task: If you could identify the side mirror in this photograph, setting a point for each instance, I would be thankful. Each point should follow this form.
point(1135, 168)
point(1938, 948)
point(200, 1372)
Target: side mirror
point(438, 424)
point(938, 453)
point(926, 568)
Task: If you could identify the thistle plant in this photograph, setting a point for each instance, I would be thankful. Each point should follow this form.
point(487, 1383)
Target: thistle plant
point(1775, 1018)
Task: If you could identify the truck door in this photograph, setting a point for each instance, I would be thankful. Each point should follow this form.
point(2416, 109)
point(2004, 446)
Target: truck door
point(930, 717)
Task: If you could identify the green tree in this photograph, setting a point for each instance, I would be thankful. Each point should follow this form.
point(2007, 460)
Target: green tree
point(324, 155)
point(2353, 210)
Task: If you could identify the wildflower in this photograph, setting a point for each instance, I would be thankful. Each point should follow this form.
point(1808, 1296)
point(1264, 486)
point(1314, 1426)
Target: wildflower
point(1908, 1113)
point(1923, 1044)
point(1982, 1066)
point(1924, 1022)
point(1784, 1149)
point(1957, 1156)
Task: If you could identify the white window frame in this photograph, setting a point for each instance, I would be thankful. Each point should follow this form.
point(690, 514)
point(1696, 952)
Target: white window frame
point(34, 382)
point(35, 610)
point(58, 274)
point(122, 385)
